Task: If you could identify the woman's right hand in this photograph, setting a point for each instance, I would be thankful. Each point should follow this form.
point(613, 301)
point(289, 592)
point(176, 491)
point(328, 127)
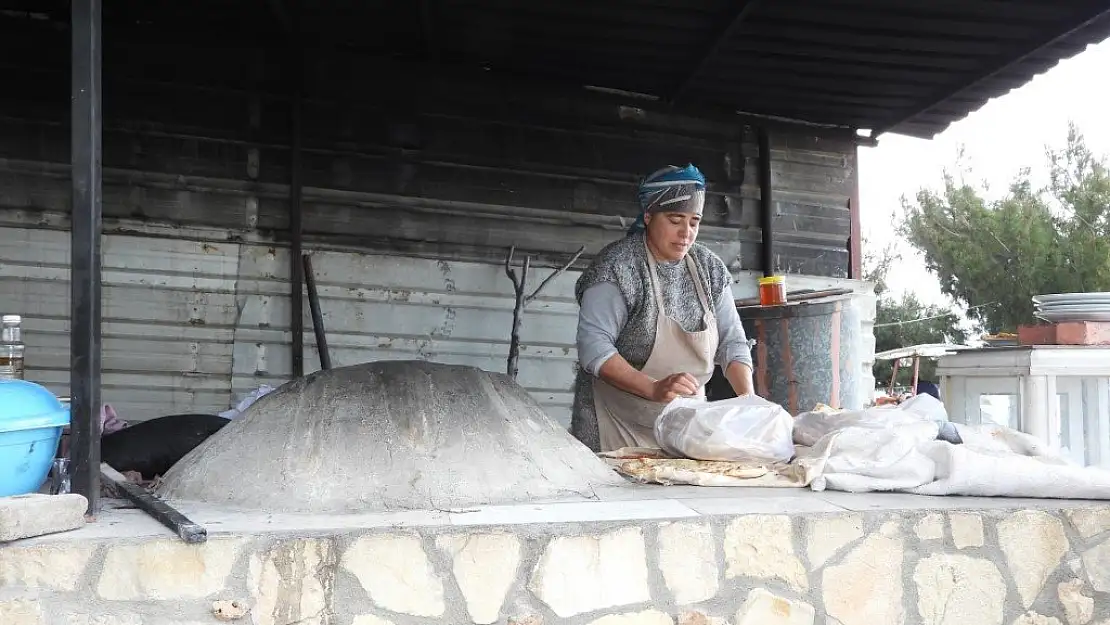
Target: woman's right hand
point(675, 385)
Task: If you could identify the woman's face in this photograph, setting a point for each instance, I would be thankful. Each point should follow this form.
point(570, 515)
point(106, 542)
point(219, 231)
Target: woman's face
point(670, 235)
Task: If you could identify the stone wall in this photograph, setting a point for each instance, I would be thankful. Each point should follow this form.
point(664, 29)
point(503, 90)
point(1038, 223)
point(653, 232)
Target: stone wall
point(942, 568)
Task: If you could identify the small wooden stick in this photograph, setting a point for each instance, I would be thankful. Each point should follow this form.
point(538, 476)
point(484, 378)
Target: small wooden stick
point(512, 363)
point(554, 274)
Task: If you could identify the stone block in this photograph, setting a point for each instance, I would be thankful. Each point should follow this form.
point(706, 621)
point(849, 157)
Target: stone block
point(647, 617)
point(21, 612)
point(1034, 544)
point(26, 516)
point(1090, 522)
point(167, 569)
point(396, 574)
point(229, 609)
point(765, 608)
point(53, 567)
point(115, 618)
point(866, 587)
point(695, 617)
point(485, 567)
point(825, 536)
point(578, 574)
point(1078, 607)
point(370, 619)
point(531, 619)
point(761, 546)
point(119, 617)
point(291, 582)
point(1032, 618)
point(688, 560)
point(930, 527)
point(1097, 562)
point(957, 589)
point(967, 529)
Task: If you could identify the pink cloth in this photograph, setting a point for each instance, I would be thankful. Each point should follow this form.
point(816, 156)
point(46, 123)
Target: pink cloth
point(110, 421)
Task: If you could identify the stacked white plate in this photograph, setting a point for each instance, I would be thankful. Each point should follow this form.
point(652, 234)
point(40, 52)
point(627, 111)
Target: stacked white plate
point(1059, 307)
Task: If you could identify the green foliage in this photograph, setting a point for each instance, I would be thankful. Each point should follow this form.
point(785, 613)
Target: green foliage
point(993, 256)
point(902, 321)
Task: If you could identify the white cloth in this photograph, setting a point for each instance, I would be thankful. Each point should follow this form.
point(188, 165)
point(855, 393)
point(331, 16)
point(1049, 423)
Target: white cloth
point(997, 462)
point(246, 402)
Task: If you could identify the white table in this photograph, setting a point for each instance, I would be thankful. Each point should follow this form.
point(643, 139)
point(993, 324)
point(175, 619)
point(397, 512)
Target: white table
point(1060, 394)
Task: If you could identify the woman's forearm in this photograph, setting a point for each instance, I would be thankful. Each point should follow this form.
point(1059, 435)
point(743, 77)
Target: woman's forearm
point(617, 372)
point(740, 377)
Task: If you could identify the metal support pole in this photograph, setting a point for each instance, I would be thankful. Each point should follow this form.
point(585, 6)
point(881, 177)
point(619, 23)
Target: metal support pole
point(766, 205)
point(84, 275)
point(855, 235)
point(317, 316)
point(296, 234)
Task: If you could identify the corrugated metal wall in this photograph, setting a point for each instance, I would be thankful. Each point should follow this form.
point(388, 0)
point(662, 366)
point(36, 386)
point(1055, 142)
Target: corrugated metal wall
point(169, 315)
point(190, 325)
point(412, 198)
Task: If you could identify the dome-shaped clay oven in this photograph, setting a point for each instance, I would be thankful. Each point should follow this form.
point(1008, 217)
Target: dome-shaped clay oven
point(386, 436)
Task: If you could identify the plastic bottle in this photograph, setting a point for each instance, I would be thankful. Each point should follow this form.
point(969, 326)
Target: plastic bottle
point(11, 348)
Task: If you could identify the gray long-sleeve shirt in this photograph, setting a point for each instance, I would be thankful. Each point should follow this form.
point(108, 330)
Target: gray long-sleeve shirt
point(604, 313)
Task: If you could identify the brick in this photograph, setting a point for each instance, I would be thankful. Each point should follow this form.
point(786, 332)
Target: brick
point(26, 516)
point(1067, 333)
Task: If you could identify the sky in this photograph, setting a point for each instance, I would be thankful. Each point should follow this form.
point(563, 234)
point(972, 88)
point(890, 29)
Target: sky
point(1005, 135)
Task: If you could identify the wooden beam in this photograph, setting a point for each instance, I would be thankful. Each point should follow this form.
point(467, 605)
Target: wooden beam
point(732, 24)
point(855, 237)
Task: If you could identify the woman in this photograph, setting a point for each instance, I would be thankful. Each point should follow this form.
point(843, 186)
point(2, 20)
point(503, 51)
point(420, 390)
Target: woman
point(656, 314)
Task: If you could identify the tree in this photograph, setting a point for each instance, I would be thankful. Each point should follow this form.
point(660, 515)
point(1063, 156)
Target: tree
point(994, 256)
point(903, 321)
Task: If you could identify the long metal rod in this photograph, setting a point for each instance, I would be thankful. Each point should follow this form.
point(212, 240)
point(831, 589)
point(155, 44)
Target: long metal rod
point(766, 203)
point(85, 262)
point(296, 232)
point(151, 504)
point(317, 316)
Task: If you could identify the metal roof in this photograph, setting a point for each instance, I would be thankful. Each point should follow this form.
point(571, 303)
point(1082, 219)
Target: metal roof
point(905, 66)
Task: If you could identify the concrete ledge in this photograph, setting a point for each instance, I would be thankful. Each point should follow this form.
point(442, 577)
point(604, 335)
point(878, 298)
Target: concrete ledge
point(26, 516)
point(696, 556)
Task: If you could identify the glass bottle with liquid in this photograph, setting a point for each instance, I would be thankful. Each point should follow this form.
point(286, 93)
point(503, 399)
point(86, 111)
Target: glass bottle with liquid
point(772, 291)
point(11, 348)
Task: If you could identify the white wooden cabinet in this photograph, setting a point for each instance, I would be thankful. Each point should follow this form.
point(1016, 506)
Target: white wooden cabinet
point(1060, 394)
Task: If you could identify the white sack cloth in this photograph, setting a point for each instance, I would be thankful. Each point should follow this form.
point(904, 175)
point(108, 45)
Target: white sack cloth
point(994, 461)
point(737, 429)
point(810, 427)
point(247, 400)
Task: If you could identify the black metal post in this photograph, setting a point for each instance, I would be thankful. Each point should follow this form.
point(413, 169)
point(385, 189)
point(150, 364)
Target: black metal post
point(766, 205)
point(295, 228)
point(84, 274)
point(317, 316)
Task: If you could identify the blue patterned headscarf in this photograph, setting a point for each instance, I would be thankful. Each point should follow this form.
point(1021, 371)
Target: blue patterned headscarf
point(671, 190)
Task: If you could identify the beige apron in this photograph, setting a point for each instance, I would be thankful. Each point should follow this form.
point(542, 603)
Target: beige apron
point(627, 420)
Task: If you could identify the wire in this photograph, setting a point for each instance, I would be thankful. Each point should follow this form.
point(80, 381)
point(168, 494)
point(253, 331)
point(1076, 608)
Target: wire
point(908, 321)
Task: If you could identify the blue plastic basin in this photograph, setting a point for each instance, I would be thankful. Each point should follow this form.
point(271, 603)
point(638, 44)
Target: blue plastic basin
point(31, 422)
